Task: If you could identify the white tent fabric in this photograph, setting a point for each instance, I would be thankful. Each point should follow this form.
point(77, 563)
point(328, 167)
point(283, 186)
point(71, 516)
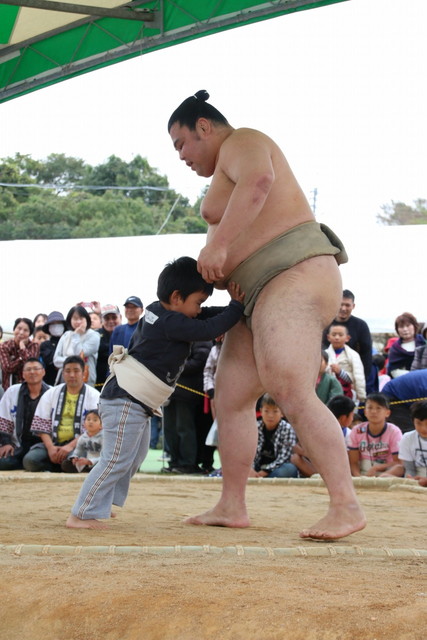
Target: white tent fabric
point(384, 272)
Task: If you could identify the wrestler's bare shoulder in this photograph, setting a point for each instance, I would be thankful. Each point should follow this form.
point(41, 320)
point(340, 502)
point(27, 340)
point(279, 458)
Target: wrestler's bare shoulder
point(245, 135)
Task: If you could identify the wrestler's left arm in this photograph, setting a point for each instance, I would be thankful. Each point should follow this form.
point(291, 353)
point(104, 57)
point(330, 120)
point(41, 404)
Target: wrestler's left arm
point(246, 161)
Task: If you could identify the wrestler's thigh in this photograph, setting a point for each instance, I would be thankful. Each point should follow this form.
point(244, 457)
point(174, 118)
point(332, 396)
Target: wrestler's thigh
point(287, 323)
point(237, 380)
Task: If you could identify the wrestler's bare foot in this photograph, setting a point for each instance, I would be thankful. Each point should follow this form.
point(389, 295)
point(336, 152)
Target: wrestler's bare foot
point(77, 523)
point(340, 521)
point(218, 517)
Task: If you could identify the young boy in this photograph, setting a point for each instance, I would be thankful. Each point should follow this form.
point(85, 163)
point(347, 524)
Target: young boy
point(143, 378)
point(413, 447)
point(345, 362)
point(276, 439)
point(343, 409)
point(373, 445)
point(89, 445)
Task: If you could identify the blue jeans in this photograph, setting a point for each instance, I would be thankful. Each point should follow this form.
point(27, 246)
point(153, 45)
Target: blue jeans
point(286, 470)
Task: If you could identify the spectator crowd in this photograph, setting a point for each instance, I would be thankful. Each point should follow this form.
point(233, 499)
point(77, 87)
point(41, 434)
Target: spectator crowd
point(54, 367)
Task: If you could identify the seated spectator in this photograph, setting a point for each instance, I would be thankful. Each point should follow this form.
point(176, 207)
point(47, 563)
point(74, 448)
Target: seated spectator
point(54, 328)
point(124, 332)
point(111, 319)
point(343, 409)
point(276, 439)
point(402, 350)
point(413, 447)
point(15, 352)
point(402, 392)
point(327, 385)
point(374, 445)
point(17, 408)
point(59, 419)
point(420, 356)
point(345, 363)
point(88, 448)
point(39, 335)
point(81, 341)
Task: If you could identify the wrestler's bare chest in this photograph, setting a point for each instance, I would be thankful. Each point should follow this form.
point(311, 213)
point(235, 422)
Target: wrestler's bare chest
point(284, 208)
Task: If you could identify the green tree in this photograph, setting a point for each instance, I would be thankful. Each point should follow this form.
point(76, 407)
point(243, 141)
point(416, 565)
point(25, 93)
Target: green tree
point(399, 213)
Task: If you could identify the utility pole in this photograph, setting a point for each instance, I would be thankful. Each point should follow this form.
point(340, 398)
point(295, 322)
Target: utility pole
point(314, 200)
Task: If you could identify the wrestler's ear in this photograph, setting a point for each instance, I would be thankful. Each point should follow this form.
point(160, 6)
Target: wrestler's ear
point(203, 127)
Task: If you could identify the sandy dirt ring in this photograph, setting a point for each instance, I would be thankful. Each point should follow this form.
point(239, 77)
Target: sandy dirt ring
point(151, 577)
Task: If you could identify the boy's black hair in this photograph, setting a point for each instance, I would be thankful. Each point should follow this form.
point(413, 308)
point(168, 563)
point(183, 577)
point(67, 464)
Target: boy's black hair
point(193, 108)
point(379, 398)
point(267, 399)
point(74, 359)
point(418, 410)
point(95, 411)
point(181, 275)
point(341, 406)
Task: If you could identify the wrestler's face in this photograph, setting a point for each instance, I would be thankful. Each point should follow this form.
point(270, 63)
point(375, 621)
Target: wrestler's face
point(346, 308)
point(194, 148)
point(192, 305)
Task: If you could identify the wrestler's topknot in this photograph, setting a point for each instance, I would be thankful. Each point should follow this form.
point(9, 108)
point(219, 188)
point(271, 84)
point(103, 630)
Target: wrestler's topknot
point(202, 95)
point(193, 108)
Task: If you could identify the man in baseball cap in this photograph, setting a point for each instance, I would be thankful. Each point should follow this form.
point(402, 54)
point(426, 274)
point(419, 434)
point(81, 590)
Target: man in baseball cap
point(123, 333)
point(111, 318)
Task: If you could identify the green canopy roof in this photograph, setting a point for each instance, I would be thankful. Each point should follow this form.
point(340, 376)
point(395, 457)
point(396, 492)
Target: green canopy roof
point(43, 41)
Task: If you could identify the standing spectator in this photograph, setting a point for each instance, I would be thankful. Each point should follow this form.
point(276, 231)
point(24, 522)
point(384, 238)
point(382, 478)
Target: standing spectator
point(59, 419)
point(81, 341)
point(111, 319)
point(402, 350)
point(183, 416)
point(17, 409)
point(15, 352)
point(209, 372)
point(345, 363)
point(124, 332)
point(360, 336)
point(54, 327)
point(39, 320)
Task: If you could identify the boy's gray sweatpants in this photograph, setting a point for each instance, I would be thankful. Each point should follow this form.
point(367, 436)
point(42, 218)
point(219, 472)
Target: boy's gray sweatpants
point(126, 438)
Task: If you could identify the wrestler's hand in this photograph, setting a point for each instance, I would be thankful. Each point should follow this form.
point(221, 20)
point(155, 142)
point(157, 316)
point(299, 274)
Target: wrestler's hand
point(211, 262)
point(235, 292)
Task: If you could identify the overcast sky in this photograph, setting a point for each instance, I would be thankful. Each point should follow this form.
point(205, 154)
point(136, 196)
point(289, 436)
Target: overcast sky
point(342, 89)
